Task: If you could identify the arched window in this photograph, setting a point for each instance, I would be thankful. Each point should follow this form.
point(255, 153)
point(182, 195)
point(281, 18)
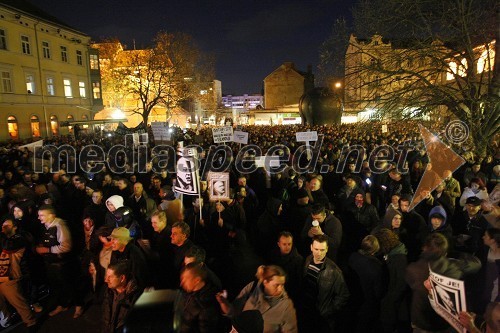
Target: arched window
point(54, 125)
point(12, 127)
point(35, 126)
point(85, 117)
point(70, 118)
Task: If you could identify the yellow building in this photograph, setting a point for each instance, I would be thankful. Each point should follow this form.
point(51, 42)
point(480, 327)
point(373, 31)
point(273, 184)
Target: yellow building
point(49, 75)
point(398, 75)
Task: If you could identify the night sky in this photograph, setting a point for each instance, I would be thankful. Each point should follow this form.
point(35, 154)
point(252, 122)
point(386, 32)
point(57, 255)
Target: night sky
point(249, 38)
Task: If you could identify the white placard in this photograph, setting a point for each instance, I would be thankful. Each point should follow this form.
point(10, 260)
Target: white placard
point(306, 136)
point(448, 298)
point(160, 130)
point(187, 176)
point(240, 137)
point(218, 186)
point(222, 134)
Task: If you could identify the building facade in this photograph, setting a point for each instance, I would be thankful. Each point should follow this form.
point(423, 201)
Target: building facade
point(48, 74)
point(286, 85)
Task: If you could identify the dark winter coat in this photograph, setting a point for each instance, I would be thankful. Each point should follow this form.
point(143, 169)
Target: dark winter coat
point(116, 307)
point(201, 312)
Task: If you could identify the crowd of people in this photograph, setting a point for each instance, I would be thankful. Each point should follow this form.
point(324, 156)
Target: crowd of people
point(332, 249)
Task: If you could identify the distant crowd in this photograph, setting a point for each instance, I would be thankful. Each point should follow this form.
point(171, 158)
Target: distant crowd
point(332, 249)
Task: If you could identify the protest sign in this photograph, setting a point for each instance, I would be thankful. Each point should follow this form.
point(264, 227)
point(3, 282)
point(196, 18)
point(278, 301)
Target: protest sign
point(306, 136)
point(187, 176)
point(240, 137)
point(160, 131)
point(448, 298)
point(222, 134)
point(218, 186)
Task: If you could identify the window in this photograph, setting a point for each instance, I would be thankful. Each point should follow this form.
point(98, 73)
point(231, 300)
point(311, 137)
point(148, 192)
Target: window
point(12, 127)
point(64, 54)
point(46, 50)
point(50, 86)
point(486, 60)
point(81, 87)
point(6, 82)
point(94, 61)
point(79, 59)
point(3, 40)
point(54, 125)
point(35, 126)
point(67, 88)
point(96, 89)
point(30, 83)
point(25, 44)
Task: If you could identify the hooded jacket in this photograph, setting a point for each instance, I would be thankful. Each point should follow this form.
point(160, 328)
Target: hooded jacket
point(444, 229)
point(117, 201)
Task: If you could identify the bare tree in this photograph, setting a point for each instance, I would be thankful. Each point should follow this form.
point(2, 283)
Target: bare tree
point(415, 58)
point(163, 75)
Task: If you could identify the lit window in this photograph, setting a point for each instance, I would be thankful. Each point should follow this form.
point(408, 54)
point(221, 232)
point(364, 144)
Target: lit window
point(70, 118)
point(6, 82)
point(450, 74)
point(25, 44)
point(3, 40)
point(94, 61)
point(64, 54)
point(12, 127)
point(81, 87)
point(30, 83)
point(46, 50)
point(96, 90)
point(54, 125)
point(50, 86)
point(67, 88)
point(79, 59)
point(35, 126)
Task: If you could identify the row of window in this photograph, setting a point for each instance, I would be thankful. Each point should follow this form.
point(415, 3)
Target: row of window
point(13, 128)
point(7, 87)
point(46, 48)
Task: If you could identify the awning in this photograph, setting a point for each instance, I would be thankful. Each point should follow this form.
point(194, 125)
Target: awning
point(91, 122)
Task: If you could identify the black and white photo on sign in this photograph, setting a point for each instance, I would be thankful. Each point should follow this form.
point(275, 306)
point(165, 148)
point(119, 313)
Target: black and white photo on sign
point(448, 299)
point(187, 176)
point(218, 185)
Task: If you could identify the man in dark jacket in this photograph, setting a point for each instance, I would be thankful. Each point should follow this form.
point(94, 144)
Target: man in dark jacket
point(121, 295)
point(200, 308)
point(328, 225)
point(415, 226)
point(324, 291)
point(287, 257)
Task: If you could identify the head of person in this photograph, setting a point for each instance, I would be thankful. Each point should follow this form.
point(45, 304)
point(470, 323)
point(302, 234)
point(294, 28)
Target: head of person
point(492, 317)
point(359, 199)
point(159, 220)
point(197, 203)
point(396, 220)
point(241, 192)
point(437, 217)
point(138, 189)
point(193, 277)
point(156, 182)
point(285, 242)
point(447, 175)
point(273, 280)
point(395, 200)
point(404, 203)
point(477, 184)
point(242, 180)
point(387, 239)
point(491, 238)
point(318, 213)
point(46, 214)
point(122, 184)
point(180, 233)
point(114, 202)
point(435, 246)
point(9, 226)
point(249, 321)
point(88, 223)
point(97, 197)
point(315, 184)
point(195, 254)
point(120, 237)
point(319, 248)
point(118, 276)
point(369, 245)
point(350, 181)
point(476, 167)
point(473, 205)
